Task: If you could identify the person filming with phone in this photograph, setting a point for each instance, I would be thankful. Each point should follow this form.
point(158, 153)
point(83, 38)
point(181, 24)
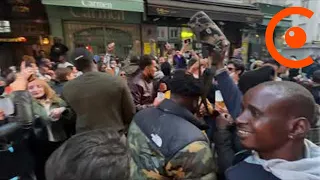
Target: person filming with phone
point(179, 60)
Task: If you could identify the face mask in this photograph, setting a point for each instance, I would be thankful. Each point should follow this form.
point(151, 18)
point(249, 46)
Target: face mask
point(2, 88)
point(232, 75)
point(151, 76)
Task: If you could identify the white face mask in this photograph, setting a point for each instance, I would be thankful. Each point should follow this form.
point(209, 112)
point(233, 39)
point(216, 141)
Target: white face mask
point(232, 75)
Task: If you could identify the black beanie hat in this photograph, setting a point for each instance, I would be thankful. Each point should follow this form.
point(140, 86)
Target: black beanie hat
point(185, 84)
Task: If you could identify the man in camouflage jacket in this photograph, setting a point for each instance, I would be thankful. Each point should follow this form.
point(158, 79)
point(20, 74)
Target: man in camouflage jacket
point(167, 142)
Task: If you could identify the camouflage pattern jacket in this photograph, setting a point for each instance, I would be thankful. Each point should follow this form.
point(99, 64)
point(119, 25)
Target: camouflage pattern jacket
point(167, 143)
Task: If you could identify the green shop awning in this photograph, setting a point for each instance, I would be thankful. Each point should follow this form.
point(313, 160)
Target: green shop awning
point(284, 23)
point(122, 5)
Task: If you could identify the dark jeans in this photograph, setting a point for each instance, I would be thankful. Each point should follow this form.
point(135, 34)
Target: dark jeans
point(42, 151)
point(17, 163)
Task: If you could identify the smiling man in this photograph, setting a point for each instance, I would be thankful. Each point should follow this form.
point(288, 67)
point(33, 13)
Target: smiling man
point(275, 120)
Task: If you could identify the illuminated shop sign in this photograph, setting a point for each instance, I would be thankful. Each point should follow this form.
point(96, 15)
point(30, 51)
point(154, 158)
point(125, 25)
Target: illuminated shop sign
point(18, 39)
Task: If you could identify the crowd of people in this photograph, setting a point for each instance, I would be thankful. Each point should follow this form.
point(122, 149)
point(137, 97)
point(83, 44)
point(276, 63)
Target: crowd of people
point(178, 116)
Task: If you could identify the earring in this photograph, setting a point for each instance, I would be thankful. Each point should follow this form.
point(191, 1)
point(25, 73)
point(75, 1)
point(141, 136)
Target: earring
point(291, 137)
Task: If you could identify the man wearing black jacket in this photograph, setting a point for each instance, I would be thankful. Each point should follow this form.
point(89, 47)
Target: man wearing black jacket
point(15, 132)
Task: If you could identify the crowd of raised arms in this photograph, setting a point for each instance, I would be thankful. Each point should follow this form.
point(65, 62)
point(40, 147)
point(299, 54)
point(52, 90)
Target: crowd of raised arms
point(183, 115)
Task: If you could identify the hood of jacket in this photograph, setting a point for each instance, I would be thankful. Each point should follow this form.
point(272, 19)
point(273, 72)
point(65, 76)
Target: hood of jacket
point(307, 168)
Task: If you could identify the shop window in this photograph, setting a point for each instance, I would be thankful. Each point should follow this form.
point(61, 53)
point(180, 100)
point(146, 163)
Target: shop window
point(162, 33)
point(5, 27)
point(97, 36)
point(174, 33)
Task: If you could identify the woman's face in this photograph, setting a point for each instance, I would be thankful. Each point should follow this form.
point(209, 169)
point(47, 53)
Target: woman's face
point(71, 76)
point(36, 89)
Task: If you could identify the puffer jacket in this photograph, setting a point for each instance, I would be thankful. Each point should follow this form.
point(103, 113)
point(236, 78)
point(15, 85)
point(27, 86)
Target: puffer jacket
point(167, 142)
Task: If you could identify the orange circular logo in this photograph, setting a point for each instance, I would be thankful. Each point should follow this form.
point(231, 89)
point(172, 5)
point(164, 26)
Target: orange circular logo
point(295, 37)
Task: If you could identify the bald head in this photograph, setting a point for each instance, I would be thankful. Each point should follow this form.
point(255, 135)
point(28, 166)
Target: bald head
point(298, 101)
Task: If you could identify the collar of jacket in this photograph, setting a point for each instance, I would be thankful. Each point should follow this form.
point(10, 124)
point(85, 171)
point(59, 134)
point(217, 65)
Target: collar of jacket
point(171, 107)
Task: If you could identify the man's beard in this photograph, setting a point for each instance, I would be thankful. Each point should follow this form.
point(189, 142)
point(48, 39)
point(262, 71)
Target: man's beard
point(150, 76)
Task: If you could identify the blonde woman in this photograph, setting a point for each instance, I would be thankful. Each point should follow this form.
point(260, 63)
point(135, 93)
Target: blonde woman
point(53, 114)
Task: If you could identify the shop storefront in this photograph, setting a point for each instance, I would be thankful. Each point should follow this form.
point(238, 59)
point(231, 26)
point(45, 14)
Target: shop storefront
point(23, 23)
point(257, 46)
point(167, 21)
point(94, 24)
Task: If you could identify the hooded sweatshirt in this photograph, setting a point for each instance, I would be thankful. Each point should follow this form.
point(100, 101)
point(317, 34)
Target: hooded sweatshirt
point(307, 168)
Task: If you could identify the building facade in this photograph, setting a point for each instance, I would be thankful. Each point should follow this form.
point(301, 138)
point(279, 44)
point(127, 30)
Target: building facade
point(166, 21)
point(273, 2)
point(22, 24)
point(310, 26)
point(257, 44)
point(96, 23)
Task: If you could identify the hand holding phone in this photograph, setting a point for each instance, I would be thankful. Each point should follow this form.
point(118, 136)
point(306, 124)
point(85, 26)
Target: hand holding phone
point(187, 41)
point(6, 107)
point(56, 113)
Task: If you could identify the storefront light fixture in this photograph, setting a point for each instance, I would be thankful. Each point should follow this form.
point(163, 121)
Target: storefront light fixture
point(45, 41)
point(186, 34)
point(18, 39)
point(257, 36)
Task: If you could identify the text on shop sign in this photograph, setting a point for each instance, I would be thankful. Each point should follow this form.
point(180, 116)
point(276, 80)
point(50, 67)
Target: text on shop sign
point(98, 14)
point(99, 4)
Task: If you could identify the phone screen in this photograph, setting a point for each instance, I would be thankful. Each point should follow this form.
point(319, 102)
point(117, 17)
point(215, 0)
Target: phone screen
point(187, 41)
point(7, 106)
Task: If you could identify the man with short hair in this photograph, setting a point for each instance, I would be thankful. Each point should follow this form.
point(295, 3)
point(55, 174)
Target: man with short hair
point(142, 87)
point(98, 155)
point(100, 100)
point(279, 68)
point(274, 123)
point(235, 68)
point(167, 142)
